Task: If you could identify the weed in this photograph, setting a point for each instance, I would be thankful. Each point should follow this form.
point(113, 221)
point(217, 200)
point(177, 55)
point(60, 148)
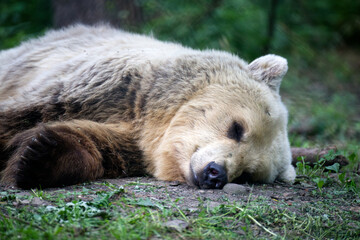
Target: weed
point(319, 174)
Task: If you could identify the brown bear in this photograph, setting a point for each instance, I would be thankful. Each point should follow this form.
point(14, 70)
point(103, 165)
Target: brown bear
point(84, 103)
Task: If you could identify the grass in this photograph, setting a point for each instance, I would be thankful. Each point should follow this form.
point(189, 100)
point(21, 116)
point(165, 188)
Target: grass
point(108, 211)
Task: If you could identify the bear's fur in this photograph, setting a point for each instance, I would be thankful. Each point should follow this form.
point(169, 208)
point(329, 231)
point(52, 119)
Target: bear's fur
point(94, 102)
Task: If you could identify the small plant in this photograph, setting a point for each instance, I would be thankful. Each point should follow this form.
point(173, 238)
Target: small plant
point(319, 182)
point(302, 167)
point(6, 196)
point(335, 168)
point(38, 193)
point(319, 174)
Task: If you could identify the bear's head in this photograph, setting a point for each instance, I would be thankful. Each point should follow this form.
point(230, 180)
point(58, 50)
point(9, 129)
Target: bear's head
point(234, 127)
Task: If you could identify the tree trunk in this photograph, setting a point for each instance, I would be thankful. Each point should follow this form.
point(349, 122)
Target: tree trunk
point(271, 25)
point(68, 12)
point(120, 13)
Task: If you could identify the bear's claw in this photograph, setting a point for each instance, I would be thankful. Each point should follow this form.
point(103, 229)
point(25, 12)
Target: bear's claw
point(35, 162)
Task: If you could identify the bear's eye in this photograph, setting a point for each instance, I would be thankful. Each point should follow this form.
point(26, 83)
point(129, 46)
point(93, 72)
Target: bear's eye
point(235, 131)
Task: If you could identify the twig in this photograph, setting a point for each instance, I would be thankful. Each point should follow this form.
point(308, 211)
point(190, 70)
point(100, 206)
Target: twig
point(257, 223)
point(22, 221)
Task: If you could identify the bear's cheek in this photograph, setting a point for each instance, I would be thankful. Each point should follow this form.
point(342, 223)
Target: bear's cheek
point(234, 166)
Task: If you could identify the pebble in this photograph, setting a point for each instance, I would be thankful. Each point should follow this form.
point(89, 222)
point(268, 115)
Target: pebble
point(212, 205)
point(36, 201)
point(176, 224)
point(233, 188)
point(24, 202)
point(174, 183)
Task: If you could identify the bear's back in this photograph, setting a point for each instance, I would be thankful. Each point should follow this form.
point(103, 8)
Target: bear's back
point(65, 55)
point(99, 72)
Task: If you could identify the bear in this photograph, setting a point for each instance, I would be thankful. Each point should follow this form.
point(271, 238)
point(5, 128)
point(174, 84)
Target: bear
point(90, 102)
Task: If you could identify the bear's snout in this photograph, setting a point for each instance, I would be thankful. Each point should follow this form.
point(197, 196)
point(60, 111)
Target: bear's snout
point(212, 176)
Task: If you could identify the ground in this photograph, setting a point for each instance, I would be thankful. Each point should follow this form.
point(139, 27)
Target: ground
point(145, 208)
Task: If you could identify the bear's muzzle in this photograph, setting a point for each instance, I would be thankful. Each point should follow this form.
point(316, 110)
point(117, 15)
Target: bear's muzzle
point(213, 176)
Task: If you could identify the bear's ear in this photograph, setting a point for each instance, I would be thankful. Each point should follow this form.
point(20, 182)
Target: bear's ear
point(269, 69)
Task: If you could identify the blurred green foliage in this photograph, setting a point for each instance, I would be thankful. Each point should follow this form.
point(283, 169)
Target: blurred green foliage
point(22, 19)
point(231, 25)
point(241, 26)
point(320, 39)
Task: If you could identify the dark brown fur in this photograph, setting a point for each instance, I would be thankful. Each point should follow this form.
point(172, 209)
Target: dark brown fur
point(66, 153)
point(40, 145)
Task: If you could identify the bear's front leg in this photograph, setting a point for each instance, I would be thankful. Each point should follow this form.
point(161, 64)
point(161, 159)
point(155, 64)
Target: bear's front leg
point(65, 153)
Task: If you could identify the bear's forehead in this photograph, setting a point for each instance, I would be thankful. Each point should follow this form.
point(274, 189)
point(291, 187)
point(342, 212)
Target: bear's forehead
point(241, 96)
point(226, 109)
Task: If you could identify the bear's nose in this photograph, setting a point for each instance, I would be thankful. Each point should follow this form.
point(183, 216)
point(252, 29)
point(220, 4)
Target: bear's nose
point(213, 176)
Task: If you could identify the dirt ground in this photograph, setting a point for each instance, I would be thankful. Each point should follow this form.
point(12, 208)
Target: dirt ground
point(290, 196)
point(301, 202)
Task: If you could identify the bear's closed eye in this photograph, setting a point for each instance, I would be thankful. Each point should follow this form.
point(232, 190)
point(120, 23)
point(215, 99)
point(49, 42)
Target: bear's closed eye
point(235, 132)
